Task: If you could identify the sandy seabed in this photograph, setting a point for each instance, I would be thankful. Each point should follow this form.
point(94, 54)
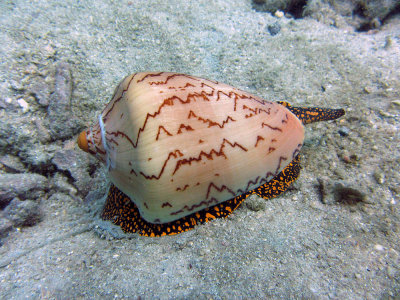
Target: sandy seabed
point(60, 64)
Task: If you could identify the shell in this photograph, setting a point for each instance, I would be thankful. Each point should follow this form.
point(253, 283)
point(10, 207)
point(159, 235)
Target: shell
point(176, 144)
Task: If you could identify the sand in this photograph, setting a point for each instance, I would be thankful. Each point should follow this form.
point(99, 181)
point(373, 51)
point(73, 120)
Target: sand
point(60, 64)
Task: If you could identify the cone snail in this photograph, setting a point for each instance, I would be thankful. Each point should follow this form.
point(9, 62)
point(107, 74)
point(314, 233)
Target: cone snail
point(181, 150)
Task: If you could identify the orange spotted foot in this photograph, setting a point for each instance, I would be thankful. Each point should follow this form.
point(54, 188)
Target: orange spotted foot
point(124, 213)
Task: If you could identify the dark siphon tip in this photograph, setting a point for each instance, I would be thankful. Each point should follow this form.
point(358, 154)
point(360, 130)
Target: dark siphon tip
point(315, 114)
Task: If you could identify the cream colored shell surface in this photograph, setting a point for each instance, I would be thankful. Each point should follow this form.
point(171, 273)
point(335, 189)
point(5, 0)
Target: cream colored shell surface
point(179, 143)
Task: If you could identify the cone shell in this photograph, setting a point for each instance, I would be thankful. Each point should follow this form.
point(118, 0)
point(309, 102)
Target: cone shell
point(176, 144)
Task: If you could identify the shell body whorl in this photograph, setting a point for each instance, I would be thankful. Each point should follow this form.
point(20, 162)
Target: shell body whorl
point(176, 144)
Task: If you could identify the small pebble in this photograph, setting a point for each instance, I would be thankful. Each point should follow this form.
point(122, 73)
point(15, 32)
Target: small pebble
point(24, 105)
point(396, 103)
point(274, 28)
point(350, 158)
point(279, 14)
point(368, 89)
point(384, 113)
point(388, 43)
point(255, 204)
point(31, 69)
point(16, 85)
point(340, 173)
point(379, 247)
point(379, 176)
point(344, 131)
point(49, 51)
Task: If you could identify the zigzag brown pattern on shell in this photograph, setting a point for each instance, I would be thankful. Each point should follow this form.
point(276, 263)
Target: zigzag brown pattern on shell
point(186, 127)
point(159, 131)
point(249, 183)
point(189, 160)
point(182, 189)
point(224, 187)
point(171, 154)
point(205, 202)
point(166, 80)
point(270, 127)
point(268, 176)
point(259, 138)
point(210, 122)
point(189, 128)
point(182, 88)
point(255, 111)
point(297, 150)
point(208, 155)
point(170, 101)
point(105, 117)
